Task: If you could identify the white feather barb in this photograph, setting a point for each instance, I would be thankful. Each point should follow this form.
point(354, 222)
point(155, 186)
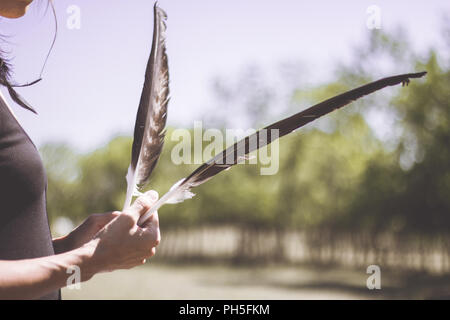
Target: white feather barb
point(176, 194)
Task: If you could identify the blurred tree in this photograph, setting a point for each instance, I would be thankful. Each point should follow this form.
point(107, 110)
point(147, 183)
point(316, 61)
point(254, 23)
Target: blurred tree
point(337, 177)
point(62, 168)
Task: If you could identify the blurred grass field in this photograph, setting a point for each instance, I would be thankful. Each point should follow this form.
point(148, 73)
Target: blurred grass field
point(158, 281)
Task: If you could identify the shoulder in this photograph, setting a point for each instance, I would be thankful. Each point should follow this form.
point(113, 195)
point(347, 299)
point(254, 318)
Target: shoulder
point(5, 104)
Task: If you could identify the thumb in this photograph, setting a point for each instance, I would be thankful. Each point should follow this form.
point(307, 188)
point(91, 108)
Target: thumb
point(142, 204)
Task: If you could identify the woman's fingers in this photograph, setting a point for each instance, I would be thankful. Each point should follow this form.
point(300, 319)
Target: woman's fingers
point(123, 233)
point(152, 220)
point(99, 220)
point(151, 229)
point(142, 204)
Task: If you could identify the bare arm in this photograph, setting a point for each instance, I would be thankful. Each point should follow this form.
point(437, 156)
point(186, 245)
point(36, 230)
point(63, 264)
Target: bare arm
point(33, 278)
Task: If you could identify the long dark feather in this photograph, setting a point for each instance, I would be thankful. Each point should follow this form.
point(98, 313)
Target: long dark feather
point(151, 117)
point(238, 152)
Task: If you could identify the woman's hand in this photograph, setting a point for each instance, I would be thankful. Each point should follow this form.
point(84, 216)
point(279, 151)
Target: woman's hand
point(84, 233)
point(118, 243)
point(122, 244)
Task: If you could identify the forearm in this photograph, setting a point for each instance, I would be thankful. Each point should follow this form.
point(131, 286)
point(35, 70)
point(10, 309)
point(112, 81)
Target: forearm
point(33, 278)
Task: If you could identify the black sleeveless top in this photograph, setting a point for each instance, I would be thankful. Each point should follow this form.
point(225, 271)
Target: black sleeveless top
point(24, 227)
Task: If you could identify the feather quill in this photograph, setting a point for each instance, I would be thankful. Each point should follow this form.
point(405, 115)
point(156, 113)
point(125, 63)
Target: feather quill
point(151, 117)
point(240, 150)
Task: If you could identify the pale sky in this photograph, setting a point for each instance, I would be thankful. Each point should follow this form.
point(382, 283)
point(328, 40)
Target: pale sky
point(94, 76)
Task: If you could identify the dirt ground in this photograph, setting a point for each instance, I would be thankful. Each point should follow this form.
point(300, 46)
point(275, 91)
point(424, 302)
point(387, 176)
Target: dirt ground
point(157, 281)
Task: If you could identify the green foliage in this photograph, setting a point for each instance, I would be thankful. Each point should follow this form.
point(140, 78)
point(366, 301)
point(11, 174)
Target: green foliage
point(413, 197)
point(335, 174)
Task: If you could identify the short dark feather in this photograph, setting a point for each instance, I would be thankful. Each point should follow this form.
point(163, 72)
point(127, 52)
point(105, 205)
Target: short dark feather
point(152, 113)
